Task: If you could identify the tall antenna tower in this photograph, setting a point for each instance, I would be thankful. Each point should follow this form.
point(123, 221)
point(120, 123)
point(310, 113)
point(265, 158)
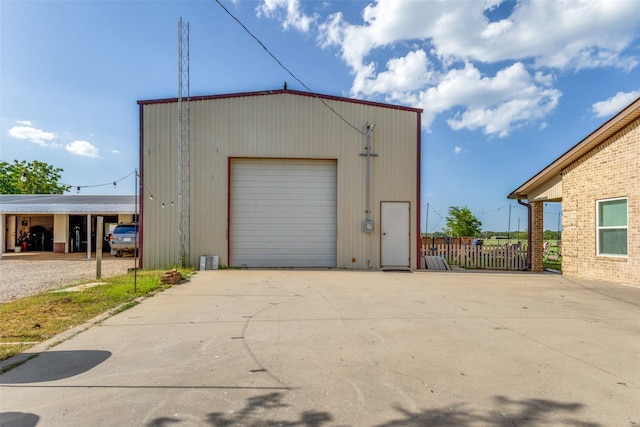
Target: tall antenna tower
point(184, 171)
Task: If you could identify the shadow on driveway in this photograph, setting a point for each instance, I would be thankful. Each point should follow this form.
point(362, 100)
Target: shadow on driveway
point(55, 365)
point(261, 411)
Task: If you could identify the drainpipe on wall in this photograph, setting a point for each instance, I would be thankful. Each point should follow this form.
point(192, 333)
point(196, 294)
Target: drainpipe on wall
point(529, 239)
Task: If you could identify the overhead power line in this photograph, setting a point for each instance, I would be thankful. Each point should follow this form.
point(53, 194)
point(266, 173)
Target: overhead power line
point(287, 69)
point(114, 183)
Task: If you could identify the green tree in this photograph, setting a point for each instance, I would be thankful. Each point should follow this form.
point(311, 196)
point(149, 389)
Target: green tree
point(462, 223)
point(550, 235)
point(30, 178)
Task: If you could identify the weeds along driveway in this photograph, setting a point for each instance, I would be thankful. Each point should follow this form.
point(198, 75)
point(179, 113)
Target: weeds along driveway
point(338, 348)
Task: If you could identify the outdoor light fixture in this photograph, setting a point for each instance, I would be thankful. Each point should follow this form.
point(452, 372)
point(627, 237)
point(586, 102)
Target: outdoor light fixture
point(78, 190)
point(23, 178)
point(115, 185)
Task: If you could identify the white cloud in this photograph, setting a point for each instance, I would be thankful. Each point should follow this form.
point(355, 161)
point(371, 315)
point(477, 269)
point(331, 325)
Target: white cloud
point(457, 150)
point(438, 48)
point(496, 29)
point(293, 16)
point(614, 104)
point(115, 151)
point(495, 104)
point(24, 122)
point(82, 148)
point(31, 134)
point(503, 117)
point(556, 34)
point(403, 76)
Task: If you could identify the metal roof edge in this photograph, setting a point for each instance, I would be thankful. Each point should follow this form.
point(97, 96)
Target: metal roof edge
point(599, 135)
point(280, 92)
point(65, 203)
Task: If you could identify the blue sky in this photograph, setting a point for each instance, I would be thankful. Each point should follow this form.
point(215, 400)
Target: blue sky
point(506, 87)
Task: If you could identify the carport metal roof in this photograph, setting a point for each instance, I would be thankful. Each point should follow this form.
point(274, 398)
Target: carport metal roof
point(66, 204)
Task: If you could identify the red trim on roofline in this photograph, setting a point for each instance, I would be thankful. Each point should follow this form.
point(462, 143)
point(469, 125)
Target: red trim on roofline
point(419, 202)
point(139, 182)
point(229, 211)
point(279, 92)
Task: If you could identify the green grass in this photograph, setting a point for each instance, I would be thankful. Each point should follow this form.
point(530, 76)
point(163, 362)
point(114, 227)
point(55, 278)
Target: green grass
point(553, 265)
point(37, 318)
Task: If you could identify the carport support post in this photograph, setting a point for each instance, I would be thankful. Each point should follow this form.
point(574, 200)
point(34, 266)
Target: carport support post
point(99, 247)
point(2, 236)
point(88, 236)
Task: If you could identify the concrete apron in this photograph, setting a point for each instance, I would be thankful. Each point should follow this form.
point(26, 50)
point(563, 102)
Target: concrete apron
point(347, 348)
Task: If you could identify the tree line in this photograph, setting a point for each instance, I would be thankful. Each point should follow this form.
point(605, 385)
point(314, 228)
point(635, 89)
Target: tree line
point(460, 222)
point(513, 235)
point(30, 178)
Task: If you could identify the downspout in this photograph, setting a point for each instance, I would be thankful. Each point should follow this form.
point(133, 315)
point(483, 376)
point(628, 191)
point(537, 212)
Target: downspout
point(529, 239)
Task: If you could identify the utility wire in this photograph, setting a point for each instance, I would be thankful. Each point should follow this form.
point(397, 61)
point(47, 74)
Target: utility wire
point(151, 193)
point(439, 220)
point(99, 185)
point(494, 210)
point(286, 69)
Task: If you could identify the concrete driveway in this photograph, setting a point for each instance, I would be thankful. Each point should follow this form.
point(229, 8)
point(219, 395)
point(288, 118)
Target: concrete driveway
point(346, 348)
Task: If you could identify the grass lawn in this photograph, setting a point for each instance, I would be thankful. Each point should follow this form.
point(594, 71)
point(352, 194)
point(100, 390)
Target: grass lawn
point(31, 320)
point(555, 265)
point(554, 249)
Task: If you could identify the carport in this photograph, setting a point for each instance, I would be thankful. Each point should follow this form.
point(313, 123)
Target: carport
point(59, 223)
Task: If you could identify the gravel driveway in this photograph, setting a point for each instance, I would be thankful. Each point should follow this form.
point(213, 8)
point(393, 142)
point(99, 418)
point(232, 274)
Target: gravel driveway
point(27, 274)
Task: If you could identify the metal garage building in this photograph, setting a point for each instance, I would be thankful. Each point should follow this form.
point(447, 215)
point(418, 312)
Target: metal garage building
point(281, 179)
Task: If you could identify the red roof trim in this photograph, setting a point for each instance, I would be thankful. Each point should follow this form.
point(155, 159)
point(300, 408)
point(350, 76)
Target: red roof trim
point(418, 190)
point(279, 92)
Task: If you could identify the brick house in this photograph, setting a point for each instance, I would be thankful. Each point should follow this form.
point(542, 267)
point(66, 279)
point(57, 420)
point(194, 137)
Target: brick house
point(598, 183)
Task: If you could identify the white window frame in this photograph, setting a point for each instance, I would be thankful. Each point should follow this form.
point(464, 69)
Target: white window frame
point(617, 227)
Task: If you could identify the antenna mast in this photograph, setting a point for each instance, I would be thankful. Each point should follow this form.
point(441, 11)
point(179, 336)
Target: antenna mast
point(184, 179)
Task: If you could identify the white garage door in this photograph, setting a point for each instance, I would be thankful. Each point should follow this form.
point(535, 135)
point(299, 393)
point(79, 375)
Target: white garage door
point(283, 213)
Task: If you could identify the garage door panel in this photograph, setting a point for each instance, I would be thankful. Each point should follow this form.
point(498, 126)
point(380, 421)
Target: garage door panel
point(278, 248)
point(304, 216)
point(283, 213)
point(316, 232)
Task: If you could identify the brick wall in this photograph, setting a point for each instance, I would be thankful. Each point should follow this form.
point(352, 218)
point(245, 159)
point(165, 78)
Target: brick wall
point(611, 170)
point(537, 236)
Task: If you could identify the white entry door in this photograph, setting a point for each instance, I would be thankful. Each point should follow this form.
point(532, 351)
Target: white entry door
point(395, 229)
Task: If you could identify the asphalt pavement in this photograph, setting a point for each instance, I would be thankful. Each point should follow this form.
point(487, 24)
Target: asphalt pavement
point(347, 348)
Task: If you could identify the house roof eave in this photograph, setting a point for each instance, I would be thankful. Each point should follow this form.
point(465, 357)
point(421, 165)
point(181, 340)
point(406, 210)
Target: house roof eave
point(610, 127)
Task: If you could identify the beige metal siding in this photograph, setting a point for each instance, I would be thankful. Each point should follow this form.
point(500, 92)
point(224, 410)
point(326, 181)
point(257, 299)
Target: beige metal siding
point(160, 181)
point(276, 126)
point(550, 191)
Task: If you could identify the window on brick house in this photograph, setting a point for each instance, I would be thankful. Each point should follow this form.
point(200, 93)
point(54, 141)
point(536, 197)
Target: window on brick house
point(612, 227)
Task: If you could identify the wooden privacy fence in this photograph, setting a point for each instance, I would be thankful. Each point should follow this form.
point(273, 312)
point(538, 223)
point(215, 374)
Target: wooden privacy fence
point(506, 257)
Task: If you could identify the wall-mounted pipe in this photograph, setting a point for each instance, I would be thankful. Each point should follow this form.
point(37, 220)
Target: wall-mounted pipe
point(368, 153)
